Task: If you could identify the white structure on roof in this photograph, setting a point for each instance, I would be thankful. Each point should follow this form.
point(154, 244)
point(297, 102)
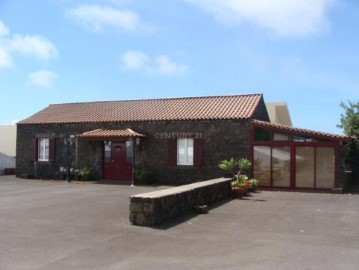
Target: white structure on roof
point(8, 140)
point(278, 113)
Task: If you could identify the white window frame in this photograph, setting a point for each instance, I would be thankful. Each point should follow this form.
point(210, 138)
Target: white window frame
point(43, 149)
point(185, 157)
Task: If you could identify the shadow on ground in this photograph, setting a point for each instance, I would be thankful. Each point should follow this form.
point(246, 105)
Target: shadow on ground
point(184, 218)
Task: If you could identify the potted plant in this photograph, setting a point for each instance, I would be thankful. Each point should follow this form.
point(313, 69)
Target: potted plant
point(253, 183)
point(236, 167)
point(240, 187)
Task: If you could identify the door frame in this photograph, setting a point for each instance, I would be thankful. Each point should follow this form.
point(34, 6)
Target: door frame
point(110, 170)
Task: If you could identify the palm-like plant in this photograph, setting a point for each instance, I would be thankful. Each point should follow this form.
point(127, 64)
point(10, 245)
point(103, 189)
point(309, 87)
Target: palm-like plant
point(236, 168)
point(229, 165)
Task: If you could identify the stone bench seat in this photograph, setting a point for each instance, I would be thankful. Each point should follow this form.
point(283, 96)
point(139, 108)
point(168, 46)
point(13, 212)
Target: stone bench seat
point(153, 208)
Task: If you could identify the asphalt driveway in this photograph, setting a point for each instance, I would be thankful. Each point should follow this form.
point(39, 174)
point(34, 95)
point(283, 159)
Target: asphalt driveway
point(54, 225)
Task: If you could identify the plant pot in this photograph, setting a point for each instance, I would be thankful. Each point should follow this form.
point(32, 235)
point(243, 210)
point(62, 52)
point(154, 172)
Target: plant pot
point(240, 191)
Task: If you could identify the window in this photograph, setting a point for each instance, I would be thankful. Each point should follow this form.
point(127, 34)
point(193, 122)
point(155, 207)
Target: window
point(281, 166)
point(129, 152)
point(305, 166)
point(44, 149)
point(185, 152)
point(280, 137)
point(325, 167)
point(303, 139)
point(107, 152)
point(261, 134)
point(262, 164)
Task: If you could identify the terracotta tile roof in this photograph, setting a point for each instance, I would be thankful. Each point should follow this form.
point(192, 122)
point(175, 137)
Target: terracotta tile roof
point(114, 133)
point(187, 108)
point(300, 131)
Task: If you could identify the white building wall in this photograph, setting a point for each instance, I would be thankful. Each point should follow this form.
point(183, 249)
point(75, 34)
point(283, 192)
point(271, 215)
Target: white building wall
point(8, 140)
point(278, 113)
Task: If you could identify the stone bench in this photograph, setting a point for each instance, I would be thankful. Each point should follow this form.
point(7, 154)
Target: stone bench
point(153, 208)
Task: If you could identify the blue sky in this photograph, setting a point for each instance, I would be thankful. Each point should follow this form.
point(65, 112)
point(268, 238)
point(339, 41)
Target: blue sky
point(303, 52)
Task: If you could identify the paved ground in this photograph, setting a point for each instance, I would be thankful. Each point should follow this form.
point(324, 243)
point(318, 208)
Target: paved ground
point(54, 225)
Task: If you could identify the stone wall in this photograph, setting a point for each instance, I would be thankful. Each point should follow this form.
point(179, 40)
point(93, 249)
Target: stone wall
point(153, 208)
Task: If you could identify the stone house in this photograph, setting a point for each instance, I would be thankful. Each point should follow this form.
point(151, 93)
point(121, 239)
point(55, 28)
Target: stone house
point(178, 140)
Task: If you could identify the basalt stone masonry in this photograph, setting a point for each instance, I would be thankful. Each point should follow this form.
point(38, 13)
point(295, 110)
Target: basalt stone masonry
point(182, 140)
point(221, 139)
point(156, 207)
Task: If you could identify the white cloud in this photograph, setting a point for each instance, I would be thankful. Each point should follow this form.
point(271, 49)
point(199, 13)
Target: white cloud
point(135, 60)
point(5, 58)
point(42, 78)
point(96, 17)
point(3, 29)
point(161, 65)
point(120, 2)
point(290, 18)
point(166, 67)
point(35, 45)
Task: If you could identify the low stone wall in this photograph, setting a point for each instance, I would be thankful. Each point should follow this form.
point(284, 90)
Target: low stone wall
point(153, 208)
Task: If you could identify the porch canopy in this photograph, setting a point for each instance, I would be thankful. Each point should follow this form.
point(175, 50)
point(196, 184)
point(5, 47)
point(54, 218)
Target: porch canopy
point(110, 134)
point(301, 132)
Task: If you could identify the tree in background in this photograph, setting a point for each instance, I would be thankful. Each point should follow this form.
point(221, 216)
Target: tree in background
point(349, 122)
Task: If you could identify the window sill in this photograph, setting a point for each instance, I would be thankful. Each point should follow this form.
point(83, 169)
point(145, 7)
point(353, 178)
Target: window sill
point(44, 161)
point(185, 165)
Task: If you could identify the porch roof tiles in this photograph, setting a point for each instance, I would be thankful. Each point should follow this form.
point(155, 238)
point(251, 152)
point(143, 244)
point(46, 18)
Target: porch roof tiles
point(110, 134)
point(300, 131)
point(187, 108)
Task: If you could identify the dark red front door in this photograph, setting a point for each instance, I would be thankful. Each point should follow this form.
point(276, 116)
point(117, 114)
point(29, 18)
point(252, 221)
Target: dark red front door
point(115, 163)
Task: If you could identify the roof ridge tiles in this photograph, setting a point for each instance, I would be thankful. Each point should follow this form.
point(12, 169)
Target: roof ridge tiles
point(156, 99)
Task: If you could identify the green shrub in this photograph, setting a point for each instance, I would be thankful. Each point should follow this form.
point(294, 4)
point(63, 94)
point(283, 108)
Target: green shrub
point(87, 173)
point(143, 175)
